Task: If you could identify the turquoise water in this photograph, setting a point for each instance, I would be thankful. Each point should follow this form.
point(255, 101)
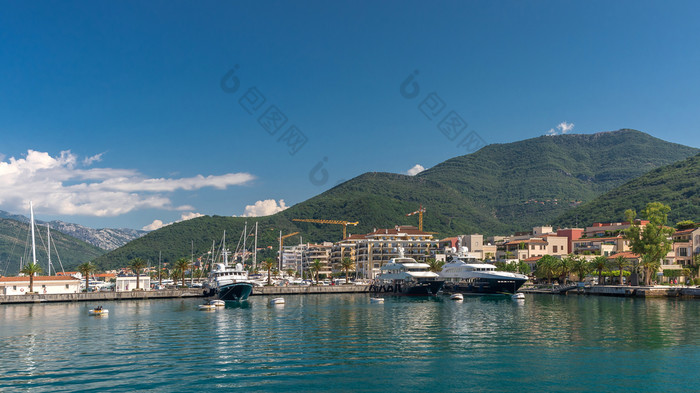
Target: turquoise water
point(344, 343)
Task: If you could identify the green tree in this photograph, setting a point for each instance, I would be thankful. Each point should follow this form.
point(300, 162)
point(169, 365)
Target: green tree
point(620, 262)
point(651, 242)
point(269, 264)
point(136, 265)
point(30, 270)
point(182, 265)
point(599, 264)
point(580, 266)
point(524, 268)
point(347, 264)
point(86, 269)
point(546, 267)
point(687, 224)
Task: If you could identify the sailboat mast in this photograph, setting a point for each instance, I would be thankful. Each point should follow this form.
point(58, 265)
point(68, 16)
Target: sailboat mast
point(223, 249)
point(31, 222)
point(48, 238)
point(255, 250)
point(245, 237)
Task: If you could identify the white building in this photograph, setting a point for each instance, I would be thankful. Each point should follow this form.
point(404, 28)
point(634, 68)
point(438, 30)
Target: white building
point(128, 283)
point(42, 285)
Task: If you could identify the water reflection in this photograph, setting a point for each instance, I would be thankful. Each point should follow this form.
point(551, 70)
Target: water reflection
point(315, 340)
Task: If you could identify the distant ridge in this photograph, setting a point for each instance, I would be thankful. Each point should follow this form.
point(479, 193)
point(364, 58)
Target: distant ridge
point(105, 238)
point(677, 185)
point(499, 189)
point(14, 248)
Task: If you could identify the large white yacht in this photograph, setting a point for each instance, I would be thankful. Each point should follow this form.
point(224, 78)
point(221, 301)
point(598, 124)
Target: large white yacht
point(475, 277)
point(405, 277)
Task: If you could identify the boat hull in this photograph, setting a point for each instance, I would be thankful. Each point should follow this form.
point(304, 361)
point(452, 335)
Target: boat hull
point(235, 292)
point(423, 288)
point(485, 286)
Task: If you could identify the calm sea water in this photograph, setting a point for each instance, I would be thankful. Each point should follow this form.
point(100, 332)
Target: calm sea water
point(344, 343)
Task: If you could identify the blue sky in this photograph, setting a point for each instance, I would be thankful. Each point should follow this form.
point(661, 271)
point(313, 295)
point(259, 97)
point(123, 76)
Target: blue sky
point(133, 90)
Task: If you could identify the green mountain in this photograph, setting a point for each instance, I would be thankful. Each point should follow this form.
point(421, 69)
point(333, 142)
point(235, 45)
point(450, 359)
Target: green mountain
point(15, 246)
point(677, 185)
point(498, 189)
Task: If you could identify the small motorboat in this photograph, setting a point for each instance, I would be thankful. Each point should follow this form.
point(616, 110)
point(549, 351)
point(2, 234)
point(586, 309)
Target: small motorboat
point(376, 300)
point(518, 296)
point(206, 307)
point(218, 303)
point(456, 296)
point(277, 300)
point(98, 311)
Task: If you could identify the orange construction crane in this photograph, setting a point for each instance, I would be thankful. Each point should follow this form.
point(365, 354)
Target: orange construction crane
point(339, 222)
point(420, 212)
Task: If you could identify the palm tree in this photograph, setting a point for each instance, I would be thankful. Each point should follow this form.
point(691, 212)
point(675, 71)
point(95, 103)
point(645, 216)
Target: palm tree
point(580, 266)
point(546, 267)
point(563, 267)
point(85, 269)
point(316, 267)
point(650, 265)
point(136, 265)
point(620, 263)
point(433, 265)
point(599, 264)
point(30, 270)
point(268, 264)
point(182, 265)
point(347, 264)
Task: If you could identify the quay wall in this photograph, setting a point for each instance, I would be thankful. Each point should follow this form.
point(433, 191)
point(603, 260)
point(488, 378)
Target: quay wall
point(174, 293)
point(100, 296)
point(309, 290)
point(624, 291)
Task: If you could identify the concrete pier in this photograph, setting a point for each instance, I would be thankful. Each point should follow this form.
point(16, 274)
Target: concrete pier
point(309, 290)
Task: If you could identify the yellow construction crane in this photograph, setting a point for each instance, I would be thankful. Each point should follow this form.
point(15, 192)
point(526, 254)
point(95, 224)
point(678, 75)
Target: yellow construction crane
point(420, 212)
point(339, 222)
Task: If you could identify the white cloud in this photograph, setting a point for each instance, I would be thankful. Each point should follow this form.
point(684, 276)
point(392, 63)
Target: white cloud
point(157, 224)
point(565, 127)
point(562, 128)
point(264, 208)
point(60, 185)
point(415, 170)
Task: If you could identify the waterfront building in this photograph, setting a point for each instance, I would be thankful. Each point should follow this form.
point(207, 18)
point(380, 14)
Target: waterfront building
point(322, 252)
point(375, 249)
point(605, 246)
point(686, 244)
point(42, 285)
point(571, 234)
point(128, 283)
point(610, 228)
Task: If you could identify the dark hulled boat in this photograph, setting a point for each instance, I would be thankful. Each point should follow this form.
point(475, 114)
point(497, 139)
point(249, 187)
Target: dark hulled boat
point(406, 277)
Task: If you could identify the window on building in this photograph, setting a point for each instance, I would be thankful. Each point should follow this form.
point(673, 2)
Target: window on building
point(555, 249)
point(683, 252)
point(67, 286)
